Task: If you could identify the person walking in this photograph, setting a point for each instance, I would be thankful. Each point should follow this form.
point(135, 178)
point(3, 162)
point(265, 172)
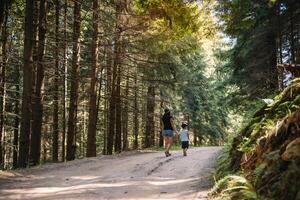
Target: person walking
point(184, 137)
point(168, 130)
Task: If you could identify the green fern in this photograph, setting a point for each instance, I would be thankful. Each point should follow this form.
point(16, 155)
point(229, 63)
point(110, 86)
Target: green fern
point(234, 187)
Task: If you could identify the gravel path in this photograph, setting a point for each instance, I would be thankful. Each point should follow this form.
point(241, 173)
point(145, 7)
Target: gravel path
point(132, 175)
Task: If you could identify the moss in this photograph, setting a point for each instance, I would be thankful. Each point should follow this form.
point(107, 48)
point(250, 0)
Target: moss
point(271, 176)
point(289, 186)
point(297, 100)
point(258, 173)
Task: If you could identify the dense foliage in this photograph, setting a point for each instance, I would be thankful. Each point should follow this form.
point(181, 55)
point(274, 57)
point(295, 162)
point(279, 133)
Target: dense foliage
point(81, 78)
point(261, 158)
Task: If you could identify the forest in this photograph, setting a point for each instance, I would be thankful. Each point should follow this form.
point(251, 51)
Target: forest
point(82, 79)
point(87, 78)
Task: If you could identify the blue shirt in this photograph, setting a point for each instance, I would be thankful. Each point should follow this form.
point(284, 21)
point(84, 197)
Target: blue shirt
point(184, 135)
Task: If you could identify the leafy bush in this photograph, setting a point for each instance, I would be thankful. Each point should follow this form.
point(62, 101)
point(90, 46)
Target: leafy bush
point(234, 187)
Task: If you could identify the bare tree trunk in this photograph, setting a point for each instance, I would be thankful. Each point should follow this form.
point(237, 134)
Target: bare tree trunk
point(65, 68)
point(280, 70)
point(112, 112)
point(136, 114)
point(118, 63)
point(99, 98)
point(16, 120)
point(27, 85)
point(150, 116)
point(292, 35)
point(118, 139)
point(161, 138)
point(35, 145)
point(125, 114)
point(195, 138)
point(3, 62)
point(279, 48)
point(71, 136)
point(272, 61)
point(36, 14)
point(56, 87)
point(109, 138)
point(92, 123)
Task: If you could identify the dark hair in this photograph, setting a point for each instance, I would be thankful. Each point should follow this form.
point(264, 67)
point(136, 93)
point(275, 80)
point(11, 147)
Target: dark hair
point(184, 125)
point(167, 111)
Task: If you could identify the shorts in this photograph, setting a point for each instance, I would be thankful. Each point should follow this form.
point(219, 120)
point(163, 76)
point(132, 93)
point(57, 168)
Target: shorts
point(185, 144)
point(168, 133)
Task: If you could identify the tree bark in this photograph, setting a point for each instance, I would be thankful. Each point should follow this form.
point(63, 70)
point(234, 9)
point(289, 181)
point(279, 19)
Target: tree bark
point(136, 114)
point(71, 134)
point(292, 35)
point(108, 95)
point(149, 137)
point(16, 120)
point(161, 138)
point(112, 113)
point(125, 115)
point(118, 63)
point(35, 145)
point(3, 62)
point(27, 85)
point(65, 83)
point(92, 123)
point(272, 60)
point(109, 138)
point(118, 139)
point(56, 87)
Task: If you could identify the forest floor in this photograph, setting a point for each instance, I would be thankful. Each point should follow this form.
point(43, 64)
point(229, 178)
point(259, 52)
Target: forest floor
point(130, 175)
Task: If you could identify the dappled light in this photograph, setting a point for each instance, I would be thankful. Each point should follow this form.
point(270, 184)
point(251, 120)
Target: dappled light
point(141, 178)
point(136, 99)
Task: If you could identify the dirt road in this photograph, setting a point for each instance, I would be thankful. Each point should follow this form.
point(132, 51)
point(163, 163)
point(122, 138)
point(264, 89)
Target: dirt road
point(132, 175)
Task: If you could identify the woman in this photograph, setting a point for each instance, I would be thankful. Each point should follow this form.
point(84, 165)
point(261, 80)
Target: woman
point(168, 129)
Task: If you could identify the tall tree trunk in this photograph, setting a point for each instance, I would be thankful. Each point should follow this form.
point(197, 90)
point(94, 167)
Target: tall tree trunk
point(272, 60)
point(65, 68)
point(92, 123)
point(125, 114)
point(279, 48)
point(161, 138)
point(118, 66)
point(280, 70)
point(99, 97)
point(136, 114)
point(112, 112)
point(16, 120)
point(195, 138)
point(27, 85)
point(108, 138)
point(292, 34)
point(36, 16)
point(3, 62)
point(71, 135)
point(150, 116)
point(56, 87)
point(118, 139)
point(35, 145)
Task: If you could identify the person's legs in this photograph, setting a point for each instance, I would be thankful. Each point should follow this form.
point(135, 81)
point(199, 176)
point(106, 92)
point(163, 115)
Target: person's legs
point(170, 142)
point(168, 136)
point(185, 146)
point(166, 145)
